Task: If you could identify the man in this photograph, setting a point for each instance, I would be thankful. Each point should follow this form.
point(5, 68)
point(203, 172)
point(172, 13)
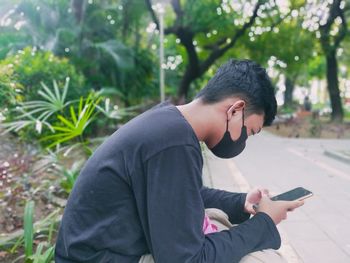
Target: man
point(141, 191)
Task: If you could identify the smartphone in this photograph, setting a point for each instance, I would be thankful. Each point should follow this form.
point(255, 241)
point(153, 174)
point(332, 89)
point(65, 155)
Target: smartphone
point(298, 193)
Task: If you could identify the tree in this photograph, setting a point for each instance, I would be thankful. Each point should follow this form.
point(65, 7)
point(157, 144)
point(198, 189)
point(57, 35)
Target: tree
point(284, 46)
point(208, 29)
point(331, 29)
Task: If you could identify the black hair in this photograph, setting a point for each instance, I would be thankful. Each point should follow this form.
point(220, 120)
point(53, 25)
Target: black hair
point(244, 79)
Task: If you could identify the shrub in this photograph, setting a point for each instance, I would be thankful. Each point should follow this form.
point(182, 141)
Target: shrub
point(21, 75)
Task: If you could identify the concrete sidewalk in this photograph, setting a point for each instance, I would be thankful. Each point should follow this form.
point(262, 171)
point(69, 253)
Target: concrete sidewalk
point(224, 175)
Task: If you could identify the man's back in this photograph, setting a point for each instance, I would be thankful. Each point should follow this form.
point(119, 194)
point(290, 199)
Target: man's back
point(106, 214)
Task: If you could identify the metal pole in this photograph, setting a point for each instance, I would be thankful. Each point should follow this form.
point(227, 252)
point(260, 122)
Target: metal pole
point(161, 55)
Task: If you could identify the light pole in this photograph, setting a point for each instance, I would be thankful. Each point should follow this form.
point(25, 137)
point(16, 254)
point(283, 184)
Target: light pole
point(159, 8)
point(161, 53)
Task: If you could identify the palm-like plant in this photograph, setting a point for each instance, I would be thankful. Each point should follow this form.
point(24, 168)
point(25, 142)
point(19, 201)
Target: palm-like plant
point(36, 113)
point(75, 125)
point(53, 102)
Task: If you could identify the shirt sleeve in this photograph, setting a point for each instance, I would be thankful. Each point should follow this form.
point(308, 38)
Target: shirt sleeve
point(231, 203)
point(175, 211)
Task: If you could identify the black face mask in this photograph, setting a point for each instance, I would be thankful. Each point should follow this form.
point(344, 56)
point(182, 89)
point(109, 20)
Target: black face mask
point(228, 148)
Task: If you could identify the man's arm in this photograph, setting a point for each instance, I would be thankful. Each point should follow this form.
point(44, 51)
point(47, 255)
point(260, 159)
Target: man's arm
point(176, 213)
point(231, 203)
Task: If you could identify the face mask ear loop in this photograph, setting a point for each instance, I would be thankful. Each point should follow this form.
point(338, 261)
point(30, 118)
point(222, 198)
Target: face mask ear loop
point(228, 120)
point(242, 117)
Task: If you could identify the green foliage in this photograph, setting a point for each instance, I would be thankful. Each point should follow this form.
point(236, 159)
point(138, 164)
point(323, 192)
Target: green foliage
point(10, 41)
point(25, 71)
point(53, 102)
point(108, 46)
point(70, 176)
point(28, 228)
point(288, 109)
point(55, 121)
point(33, 115)
point(347, 115)
point(25, 239)
point(288, 43)
point(317, 66)
point(315, 128)
point(39, 256)
point(202, 17)
point(74, 125)
point(8, 90)
point(138, 83)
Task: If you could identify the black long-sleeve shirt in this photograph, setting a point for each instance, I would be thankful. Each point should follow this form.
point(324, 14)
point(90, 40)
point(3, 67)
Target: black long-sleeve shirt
point(141, 192)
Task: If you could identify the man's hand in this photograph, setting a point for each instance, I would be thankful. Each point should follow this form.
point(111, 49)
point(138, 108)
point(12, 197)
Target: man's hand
point(253, 197)
point(277, 210)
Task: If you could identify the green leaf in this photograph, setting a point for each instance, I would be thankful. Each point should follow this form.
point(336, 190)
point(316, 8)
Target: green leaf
point(121, 54)
point(28, 228)
point(72, 114)
point(66, 121)
point(49, 94)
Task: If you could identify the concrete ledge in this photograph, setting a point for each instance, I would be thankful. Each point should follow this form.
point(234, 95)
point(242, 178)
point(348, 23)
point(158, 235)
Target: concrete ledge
point(338, 156)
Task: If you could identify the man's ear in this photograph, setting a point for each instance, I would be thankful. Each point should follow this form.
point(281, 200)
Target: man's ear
point(237, 106)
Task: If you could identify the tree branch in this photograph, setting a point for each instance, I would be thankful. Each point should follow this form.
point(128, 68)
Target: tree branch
point(218, 52)
point(177, 9)
point(334, 12)
point(151, 11)
point(223, 40)
point(169, 30)
point(343, 30)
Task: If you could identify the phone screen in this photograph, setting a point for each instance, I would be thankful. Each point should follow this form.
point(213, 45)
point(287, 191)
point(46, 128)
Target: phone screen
point(298, 193)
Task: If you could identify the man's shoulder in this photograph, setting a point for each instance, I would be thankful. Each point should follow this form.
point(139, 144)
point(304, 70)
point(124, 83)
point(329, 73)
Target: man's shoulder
point(156, 129)
point(165, 127)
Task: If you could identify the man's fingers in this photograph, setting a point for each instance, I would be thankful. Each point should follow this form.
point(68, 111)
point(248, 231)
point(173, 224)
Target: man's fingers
point(265, 192)
point(262, 191)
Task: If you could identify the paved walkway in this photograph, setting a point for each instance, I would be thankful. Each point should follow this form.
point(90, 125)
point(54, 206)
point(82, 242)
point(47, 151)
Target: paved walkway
point(319, 231)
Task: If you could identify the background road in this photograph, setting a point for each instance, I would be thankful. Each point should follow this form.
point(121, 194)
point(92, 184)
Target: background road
point(320, 230)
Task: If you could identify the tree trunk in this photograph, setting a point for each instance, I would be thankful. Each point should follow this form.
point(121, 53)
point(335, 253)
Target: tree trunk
point(192, 70)
point(288, 94)
point(333, 87)
point(78, 10)
point(127, 5)
point(330, 44)
point(186, 81)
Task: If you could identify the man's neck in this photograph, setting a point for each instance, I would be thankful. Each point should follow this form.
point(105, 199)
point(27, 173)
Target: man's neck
point(202, 118)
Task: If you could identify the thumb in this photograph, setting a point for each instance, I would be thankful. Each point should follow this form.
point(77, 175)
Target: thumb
point(294, 204)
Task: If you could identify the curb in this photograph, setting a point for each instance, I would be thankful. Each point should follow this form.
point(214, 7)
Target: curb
point(337, 156)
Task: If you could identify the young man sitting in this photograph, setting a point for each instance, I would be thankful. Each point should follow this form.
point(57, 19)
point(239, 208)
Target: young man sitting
point(141, 191)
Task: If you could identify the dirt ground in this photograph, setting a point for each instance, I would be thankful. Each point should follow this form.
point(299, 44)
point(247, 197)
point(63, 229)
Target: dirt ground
point(309, 127)
point(21, 179)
